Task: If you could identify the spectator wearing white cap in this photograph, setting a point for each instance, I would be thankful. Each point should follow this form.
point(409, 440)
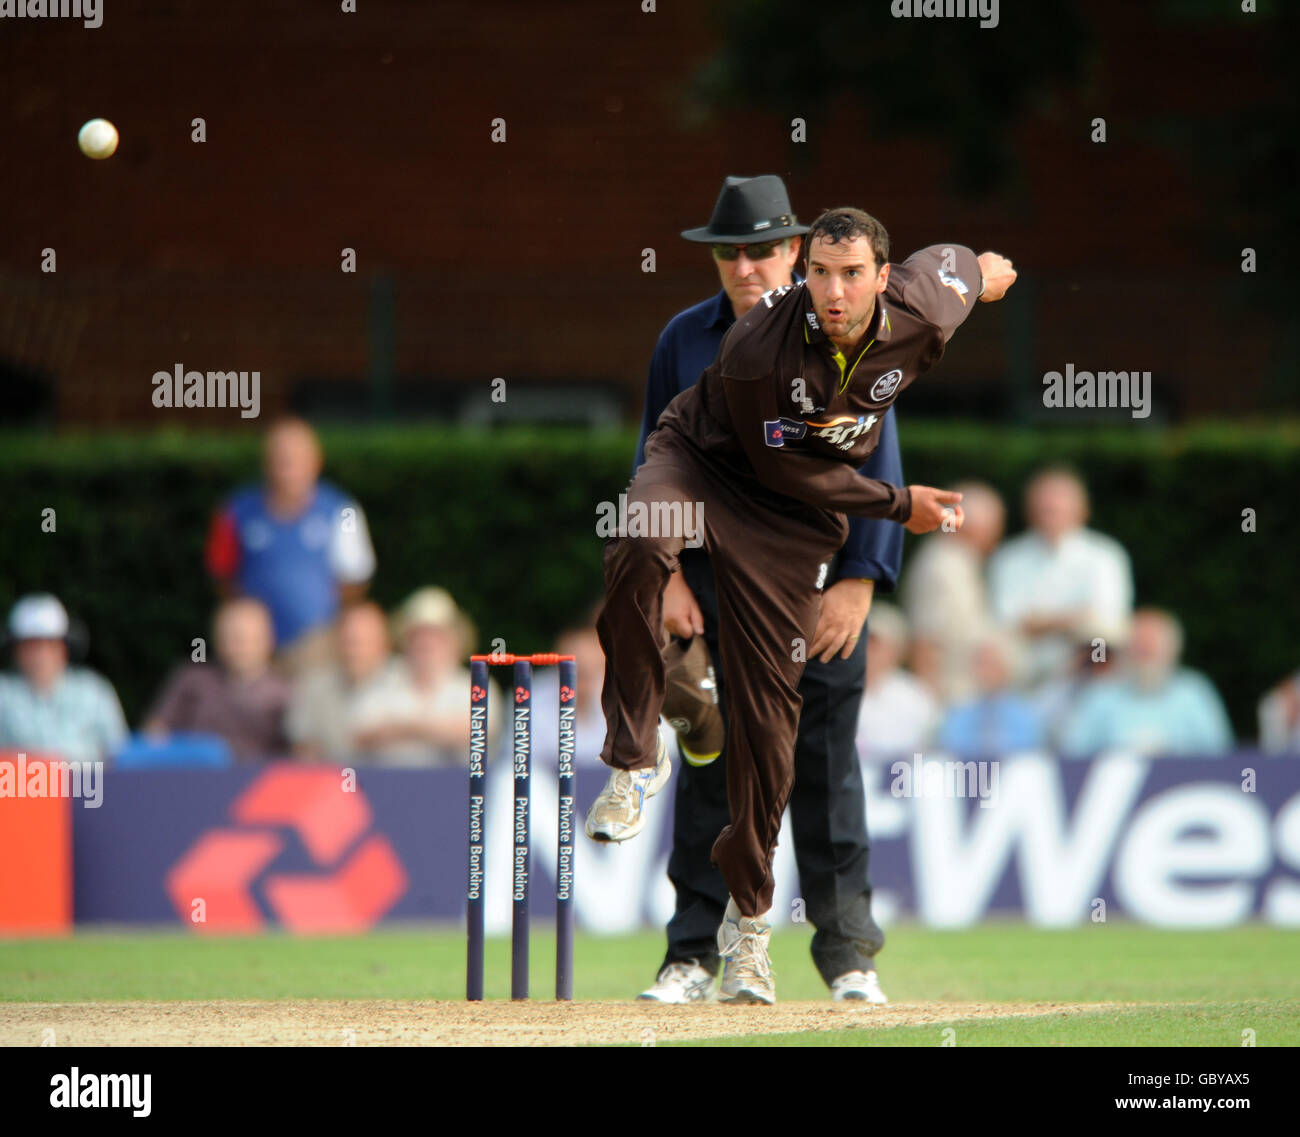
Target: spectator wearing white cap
point(417, 714)
point(48, 707)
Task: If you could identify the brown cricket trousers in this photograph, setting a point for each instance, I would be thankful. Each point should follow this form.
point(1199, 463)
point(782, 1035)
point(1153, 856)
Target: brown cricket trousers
point(767, 564)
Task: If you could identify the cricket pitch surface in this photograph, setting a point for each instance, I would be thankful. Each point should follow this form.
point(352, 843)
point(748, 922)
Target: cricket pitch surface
point(416, 1023)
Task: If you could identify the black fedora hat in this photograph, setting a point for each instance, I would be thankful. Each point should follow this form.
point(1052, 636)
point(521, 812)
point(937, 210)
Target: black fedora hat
point(749, 210)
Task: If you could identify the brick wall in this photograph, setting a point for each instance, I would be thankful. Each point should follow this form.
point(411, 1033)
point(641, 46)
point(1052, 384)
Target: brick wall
point(522, 260)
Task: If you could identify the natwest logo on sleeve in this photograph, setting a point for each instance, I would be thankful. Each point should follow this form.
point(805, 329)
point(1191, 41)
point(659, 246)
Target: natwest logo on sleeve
point(776, 431)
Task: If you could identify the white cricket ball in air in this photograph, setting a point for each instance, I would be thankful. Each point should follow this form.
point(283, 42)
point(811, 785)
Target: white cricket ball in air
point(98, 138)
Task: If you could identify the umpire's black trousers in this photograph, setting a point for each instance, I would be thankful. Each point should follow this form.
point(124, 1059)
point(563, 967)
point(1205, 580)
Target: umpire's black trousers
point(827, 812)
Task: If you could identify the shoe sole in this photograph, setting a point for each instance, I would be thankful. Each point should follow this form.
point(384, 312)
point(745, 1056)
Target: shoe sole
point(747, 998)
point(632, 830)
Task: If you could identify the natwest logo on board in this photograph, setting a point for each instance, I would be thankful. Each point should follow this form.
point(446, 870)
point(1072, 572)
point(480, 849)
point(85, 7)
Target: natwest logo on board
point(1203, 851)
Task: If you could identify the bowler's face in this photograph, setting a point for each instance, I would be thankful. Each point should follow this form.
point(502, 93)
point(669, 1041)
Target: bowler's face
point(844, 281)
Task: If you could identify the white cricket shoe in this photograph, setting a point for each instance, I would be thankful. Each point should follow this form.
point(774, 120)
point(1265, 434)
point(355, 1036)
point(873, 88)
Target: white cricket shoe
point(684, 981)
point(746, 968)
point(617, 813)
point(858, 987)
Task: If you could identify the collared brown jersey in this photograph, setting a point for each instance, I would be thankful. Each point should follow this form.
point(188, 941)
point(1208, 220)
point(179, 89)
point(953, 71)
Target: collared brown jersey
point(781, 408)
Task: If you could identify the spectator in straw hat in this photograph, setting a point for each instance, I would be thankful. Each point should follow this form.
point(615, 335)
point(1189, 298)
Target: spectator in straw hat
point(416, 714)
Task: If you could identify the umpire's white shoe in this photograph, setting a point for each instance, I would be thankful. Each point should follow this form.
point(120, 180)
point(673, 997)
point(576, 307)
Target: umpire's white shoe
point(858, 987)
point(746, 968)
point(683, 981)
point(618, 813)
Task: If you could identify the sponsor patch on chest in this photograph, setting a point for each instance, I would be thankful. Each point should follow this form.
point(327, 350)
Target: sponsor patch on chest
point(843, 430)
point(885, 385)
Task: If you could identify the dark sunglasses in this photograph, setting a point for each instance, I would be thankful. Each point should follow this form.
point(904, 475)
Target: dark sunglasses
point(753, 252)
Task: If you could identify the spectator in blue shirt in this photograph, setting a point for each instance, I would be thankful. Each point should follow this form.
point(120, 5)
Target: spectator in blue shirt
point(1152, 706)
point(48, 708)
point(755, 243)
point(998, 719)
point(296, 543)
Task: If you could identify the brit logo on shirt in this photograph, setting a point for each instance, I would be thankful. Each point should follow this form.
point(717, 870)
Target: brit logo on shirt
point(844, 430)
point(778, 430)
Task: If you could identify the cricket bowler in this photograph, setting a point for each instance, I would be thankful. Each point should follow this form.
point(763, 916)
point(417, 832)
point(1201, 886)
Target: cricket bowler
point(765, 450)
point(755, 241)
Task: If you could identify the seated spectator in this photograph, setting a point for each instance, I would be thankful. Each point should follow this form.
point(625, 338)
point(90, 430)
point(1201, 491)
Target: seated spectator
point(296, 543)
point(998, 719)
point(898, 713)
point(327, 706)
point(417, 712)
point(1279, 718)
point(238, 697)
point(1056, 698)
point(1152, 705)
point(946, 597)
point(1059, 579)
point(49, 708)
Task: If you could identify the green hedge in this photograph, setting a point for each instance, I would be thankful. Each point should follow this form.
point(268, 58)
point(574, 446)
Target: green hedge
point(505, 519)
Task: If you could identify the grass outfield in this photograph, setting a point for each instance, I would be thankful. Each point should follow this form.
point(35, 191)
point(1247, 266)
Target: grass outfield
point(1195, 987)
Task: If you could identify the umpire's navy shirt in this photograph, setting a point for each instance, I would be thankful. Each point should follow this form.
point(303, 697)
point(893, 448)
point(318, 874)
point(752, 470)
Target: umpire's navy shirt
point(874, 548)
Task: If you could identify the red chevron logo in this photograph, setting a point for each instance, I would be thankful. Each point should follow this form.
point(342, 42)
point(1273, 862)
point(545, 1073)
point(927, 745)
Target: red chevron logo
point(222, 867)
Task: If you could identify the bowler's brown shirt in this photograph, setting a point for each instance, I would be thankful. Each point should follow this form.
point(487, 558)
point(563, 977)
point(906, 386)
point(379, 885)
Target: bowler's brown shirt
point(782, 409)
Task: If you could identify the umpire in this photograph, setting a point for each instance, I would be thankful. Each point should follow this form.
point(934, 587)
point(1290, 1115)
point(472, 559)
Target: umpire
point(755, 241)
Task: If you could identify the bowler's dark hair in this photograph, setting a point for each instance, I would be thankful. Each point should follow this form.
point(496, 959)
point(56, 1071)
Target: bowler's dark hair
point(846, 223)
